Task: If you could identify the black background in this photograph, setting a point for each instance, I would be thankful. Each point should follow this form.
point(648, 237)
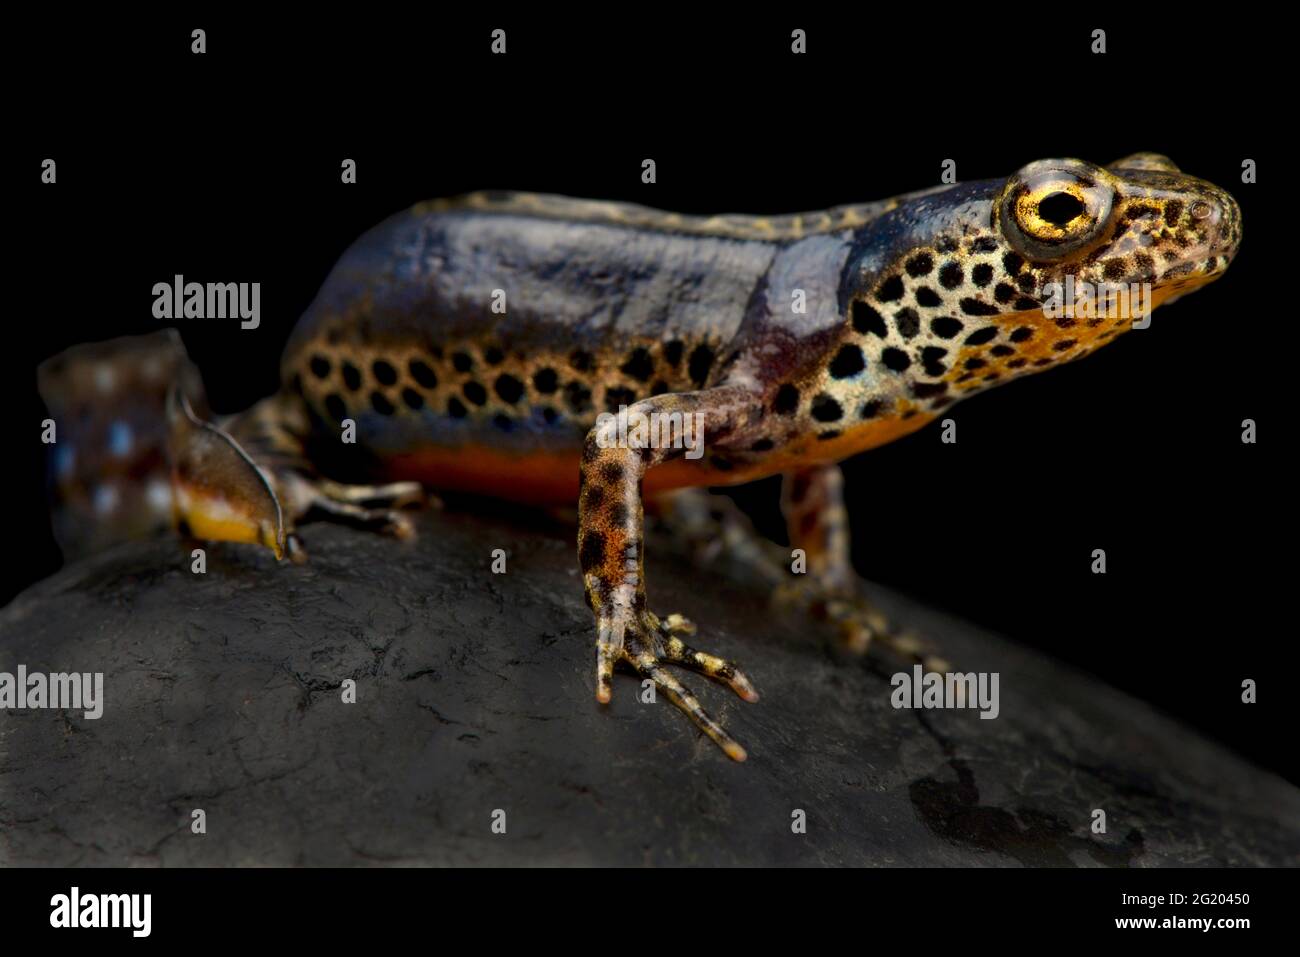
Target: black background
point(225, 167)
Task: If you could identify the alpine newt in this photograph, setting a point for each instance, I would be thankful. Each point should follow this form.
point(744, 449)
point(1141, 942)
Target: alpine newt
point(472, 343)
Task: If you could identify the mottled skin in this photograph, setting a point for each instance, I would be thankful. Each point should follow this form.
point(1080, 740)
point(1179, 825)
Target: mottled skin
point(473, 342)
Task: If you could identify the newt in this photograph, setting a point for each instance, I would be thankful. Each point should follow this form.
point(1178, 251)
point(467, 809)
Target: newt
point(471, 345)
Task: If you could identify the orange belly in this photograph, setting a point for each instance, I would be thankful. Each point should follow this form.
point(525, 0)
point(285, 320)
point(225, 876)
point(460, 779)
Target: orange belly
point(550, 477)
point(534, 478)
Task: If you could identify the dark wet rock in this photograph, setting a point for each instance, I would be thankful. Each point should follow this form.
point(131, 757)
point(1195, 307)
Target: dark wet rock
point(475, 694)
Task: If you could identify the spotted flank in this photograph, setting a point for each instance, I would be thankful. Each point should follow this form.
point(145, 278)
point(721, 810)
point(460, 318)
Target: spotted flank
point(471, 345)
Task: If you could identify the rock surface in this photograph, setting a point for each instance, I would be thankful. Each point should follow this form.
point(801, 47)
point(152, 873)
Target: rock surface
point(474, 693)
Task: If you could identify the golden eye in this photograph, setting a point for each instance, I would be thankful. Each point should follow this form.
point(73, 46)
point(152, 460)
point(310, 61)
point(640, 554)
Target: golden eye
point(1055, 209)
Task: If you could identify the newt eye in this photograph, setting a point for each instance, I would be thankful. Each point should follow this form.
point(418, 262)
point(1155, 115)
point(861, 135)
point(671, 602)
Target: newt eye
point(1055, 209)
point(1060, 209)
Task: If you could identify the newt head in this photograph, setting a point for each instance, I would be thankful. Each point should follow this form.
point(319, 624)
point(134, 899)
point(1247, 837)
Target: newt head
point(962, 289)
point(1138, 222)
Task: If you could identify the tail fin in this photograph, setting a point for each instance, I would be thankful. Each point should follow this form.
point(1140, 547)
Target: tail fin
point(133, 455)
point(218, 492)
point(107, 473)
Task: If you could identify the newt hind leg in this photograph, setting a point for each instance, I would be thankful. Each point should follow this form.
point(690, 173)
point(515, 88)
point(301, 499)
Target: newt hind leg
point(248, 481)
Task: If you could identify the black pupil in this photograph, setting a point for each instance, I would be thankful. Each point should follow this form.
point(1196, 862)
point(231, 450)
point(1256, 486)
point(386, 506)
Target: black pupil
point(1059, 208)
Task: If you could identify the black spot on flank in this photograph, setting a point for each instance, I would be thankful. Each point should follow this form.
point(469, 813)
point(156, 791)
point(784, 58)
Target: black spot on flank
point(423, 375)
point(336, 407)
point(826, 409)
point(926, 390)
point(549, 415)
point(1065, 322)
point(1023, 334)
point(546, 381)
point(592, 495)
point(721, 464)
point(320, 367)
point(940, 402)
point(1026, 283)
point(412, 398)
point(1001, 351)
point(581, 361)
point(867, 320)
point(639, 365)
point(762, 445)
point(503, 422)
point(474, 392)
point(920, 264)
point(985, 244)
point(945, 327)
point(993, 377)
point(925, 296)
point(659, 387)
point(1004, 292)
point(891, 290)
point(617, 396)
point(895, 359)
point(700, 363)
point(1043, 362)
point(973, 307)
point(384, 373)
point(1012, 262)
point(982, 274)
point(870, 409)
point(908, 322)
point(351, 376)
point(786, 401)
point(456, 408)
point(673, 352)
point(975, 363)
point(1016, 363)
point(461, 362)
point(612, 473)
point(493, 356)
point(1064, 344)
point(947, 245)
point(951, 276)
point(381, 404)
point(1026, 305)
point(827, 436)
point(1140, 211)
point(981, 336)
point(509, 388)
point(847, 362)
point(592, 552)
point(1173, 209)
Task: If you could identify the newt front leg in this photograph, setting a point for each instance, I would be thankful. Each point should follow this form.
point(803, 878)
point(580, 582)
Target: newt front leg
point(610, 551)
point(812, 501)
